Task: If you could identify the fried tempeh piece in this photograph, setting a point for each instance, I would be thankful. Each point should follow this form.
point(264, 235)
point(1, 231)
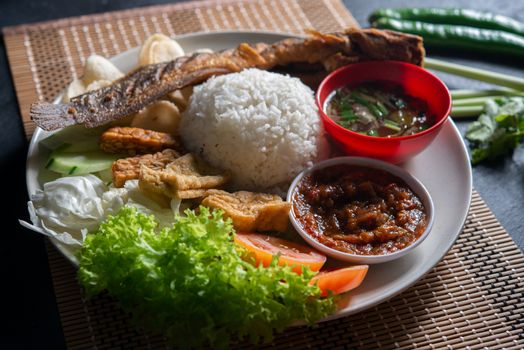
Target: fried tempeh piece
point(251, 211)
point(133, 141)
point(186, 177)
point(129, 168)
point(149, 83)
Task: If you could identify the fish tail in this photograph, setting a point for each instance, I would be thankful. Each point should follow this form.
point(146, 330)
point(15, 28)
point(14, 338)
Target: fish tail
point(49, 116)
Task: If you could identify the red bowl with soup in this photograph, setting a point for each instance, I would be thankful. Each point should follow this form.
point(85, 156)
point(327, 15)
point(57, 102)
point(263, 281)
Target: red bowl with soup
point(386, 110)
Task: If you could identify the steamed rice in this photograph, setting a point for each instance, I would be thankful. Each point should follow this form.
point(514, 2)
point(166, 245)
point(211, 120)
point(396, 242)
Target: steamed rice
point(262, 127)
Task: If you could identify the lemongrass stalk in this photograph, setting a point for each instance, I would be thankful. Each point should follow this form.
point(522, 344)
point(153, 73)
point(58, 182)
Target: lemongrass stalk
point(462, 94)
point(476, 101)
point(475, 73)
point(466, 111)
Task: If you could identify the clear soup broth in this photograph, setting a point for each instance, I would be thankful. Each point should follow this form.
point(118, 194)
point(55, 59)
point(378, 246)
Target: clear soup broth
point(378, 108)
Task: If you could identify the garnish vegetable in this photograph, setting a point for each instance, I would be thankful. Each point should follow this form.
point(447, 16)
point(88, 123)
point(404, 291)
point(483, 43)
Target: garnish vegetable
point(263, 249)
point(340, 280)
point(79, 163)
point(191, 279)
point(498, 130)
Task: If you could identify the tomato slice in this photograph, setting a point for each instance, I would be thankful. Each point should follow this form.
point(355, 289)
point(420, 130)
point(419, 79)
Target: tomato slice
point(341, 280)
point(296, 255)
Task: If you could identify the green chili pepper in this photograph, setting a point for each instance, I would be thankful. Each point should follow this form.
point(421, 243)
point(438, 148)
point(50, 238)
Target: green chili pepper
point(465, 17)
point(458, 37)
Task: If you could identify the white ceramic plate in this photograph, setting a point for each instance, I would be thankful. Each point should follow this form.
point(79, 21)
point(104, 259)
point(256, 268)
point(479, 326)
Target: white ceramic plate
point(443, 168)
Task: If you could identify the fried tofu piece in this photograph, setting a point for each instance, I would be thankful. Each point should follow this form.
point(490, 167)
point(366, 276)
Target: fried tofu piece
point(251, 211)
point(129, 168)
point(133, 141)
point(185, 178)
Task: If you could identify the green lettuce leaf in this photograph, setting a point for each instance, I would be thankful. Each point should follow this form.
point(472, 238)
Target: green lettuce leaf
point(190, 282)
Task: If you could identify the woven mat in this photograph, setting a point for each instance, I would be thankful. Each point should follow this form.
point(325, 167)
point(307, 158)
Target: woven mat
point(473, 298)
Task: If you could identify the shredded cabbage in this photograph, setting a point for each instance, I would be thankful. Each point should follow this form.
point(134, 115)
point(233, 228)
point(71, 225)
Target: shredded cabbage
point(70, 207)
point(189, 280)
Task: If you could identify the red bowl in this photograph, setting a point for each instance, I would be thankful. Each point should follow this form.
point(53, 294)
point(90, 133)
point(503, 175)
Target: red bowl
point(416, 82)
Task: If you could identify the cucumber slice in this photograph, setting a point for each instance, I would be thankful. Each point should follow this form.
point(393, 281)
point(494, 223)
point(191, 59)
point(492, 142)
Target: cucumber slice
point(46, 175)
point(81, 146)
point(106, 176)
point(77, 137)
point(68, 163)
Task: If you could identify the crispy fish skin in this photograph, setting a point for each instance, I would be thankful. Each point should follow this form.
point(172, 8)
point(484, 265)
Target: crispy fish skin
point(129, 168)
point(251, 211)
point(149, 83)
point(185, 178)
point(133, 141)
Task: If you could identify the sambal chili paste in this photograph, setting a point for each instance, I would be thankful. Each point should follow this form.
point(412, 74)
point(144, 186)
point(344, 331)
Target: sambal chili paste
point(359, 210)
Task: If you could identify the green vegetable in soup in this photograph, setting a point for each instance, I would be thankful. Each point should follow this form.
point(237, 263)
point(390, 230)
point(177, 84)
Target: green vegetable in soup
point(377, 109)
point(392, 125)
point(190, 283)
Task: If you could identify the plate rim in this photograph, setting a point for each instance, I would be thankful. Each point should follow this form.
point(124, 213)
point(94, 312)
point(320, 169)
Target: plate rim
point(30, 158)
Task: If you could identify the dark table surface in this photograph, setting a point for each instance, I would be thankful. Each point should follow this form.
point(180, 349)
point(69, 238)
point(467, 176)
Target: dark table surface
point(28, 304)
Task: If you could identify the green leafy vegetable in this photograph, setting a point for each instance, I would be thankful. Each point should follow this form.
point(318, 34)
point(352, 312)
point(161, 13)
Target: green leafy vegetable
point(498, 130)
point(190, 282)
point(482, 129)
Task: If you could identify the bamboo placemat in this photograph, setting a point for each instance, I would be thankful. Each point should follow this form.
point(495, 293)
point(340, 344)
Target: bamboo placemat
point(472, 298)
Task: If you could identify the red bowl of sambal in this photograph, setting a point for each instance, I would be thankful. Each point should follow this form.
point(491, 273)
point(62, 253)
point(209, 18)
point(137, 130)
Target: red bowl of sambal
point(386, 110)
point(360, 210)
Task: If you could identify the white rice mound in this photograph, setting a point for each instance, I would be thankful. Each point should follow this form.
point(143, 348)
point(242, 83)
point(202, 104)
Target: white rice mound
point(262, 127)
